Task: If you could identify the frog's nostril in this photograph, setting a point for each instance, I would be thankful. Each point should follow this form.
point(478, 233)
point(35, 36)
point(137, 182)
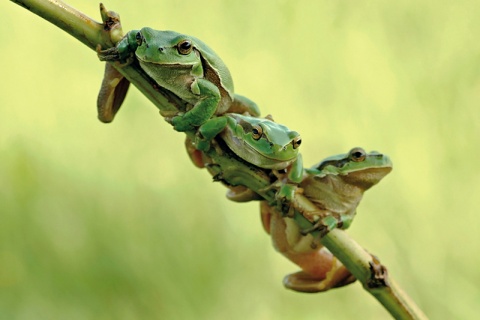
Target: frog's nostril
point(161, 49)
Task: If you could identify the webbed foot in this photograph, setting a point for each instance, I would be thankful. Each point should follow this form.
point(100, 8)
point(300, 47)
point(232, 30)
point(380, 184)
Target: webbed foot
point(303, 282)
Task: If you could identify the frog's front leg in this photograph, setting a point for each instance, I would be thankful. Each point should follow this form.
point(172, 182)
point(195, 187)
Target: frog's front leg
point(204, 109)
point(209, 130)
point(284, 198)
point(114, 85)
point(123, 50)
point(289, 186)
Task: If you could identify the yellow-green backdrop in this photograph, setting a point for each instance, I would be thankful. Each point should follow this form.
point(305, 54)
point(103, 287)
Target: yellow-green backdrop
point(113, 221)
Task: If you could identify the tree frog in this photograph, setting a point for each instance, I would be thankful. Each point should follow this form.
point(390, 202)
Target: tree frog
point(187, 67)
point(335, 186)
point(259, 141)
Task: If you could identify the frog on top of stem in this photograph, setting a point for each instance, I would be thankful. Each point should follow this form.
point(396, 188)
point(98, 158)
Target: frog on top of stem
point(185, 66)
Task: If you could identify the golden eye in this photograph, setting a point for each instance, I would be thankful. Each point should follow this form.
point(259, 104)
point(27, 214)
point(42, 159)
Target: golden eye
point(357, 154)
point(139, 39)
point(184, 47)
point(257, 132)
point(296, 142)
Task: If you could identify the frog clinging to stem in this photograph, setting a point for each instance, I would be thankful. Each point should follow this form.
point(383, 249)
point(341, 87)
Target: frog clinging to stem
point(183, 65)
point(335, 186)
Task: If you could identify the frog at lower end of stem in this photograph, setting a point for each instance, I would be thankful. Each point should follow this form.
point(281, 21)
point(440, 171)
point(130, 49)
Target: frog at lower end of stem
point(325, 199)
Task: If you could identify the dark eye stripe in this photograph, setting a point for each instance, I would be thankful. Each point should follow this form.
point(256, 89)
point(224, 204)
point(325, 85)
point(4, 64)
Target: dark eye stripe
point(336, 163)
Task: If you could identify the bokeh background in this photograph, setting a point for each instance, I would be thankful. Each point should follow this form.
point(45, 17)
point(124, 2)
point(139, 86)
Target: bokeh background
point(114, 222)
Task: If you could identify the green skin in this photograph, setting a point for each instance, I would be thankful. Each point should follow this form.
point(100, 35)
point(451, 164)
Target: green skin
point(335, 186)
point(259, 141)
point(187, 67)
point(275, 148)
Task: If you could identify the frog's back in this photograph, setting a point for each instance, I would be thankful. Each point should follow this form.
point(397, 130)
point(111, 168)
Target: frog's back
point(213, 60)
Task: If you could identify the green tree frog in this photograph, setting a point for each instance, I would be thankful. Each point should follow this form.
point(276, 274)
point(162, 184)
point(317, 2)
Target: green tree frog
point(335, 186)
point(259, 141)
point(185, 66)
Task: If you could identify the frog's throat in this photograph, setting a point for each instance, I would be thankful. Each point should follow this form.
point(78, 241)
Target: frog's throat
point(172, 64)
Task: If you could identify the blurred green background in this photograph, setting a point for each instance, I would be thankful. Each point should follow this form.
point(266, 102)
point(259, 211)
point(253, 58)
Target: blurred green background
point(114, 222)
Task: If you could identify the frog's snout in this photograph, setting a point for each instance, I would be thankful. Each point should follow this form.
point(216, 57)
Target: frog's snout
point(278, 148)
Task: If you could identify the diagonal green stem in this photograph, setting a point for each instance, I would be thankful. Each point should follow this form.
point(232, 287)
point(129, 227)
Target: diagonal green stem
point(66, 18)
point(92, 33)
point(350, 253)
point(357, 261)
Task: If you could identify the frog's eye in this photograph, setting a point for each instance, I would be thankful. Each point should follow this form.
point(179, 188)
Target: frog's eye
point(296, 142)
point(139, 38)
point(257, 132)
point(357, 155)
point(184, 47)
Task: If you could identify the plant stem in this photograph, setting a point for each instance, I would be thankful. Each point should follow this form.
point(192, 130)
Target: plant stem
point(360, 263)
point(366, 268)
point(92, 33)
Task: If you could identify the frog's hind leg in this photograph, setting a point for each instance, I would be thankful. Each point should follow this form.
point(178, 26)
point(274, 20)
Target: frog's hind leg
point(112, 93)
point(243, 105)
point(301, 281)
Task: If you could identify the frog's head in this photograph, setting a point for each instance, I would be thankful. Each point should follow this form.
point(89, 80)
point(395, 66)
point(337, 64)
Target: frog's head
point(356, 167)
point(166, 47)
point(262, 142)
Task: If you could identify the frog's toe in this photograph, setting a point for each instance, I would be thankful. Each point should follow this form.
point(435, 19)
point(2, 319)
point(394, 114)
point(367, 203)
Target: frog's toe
point(303, 282)
point(242, 194)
